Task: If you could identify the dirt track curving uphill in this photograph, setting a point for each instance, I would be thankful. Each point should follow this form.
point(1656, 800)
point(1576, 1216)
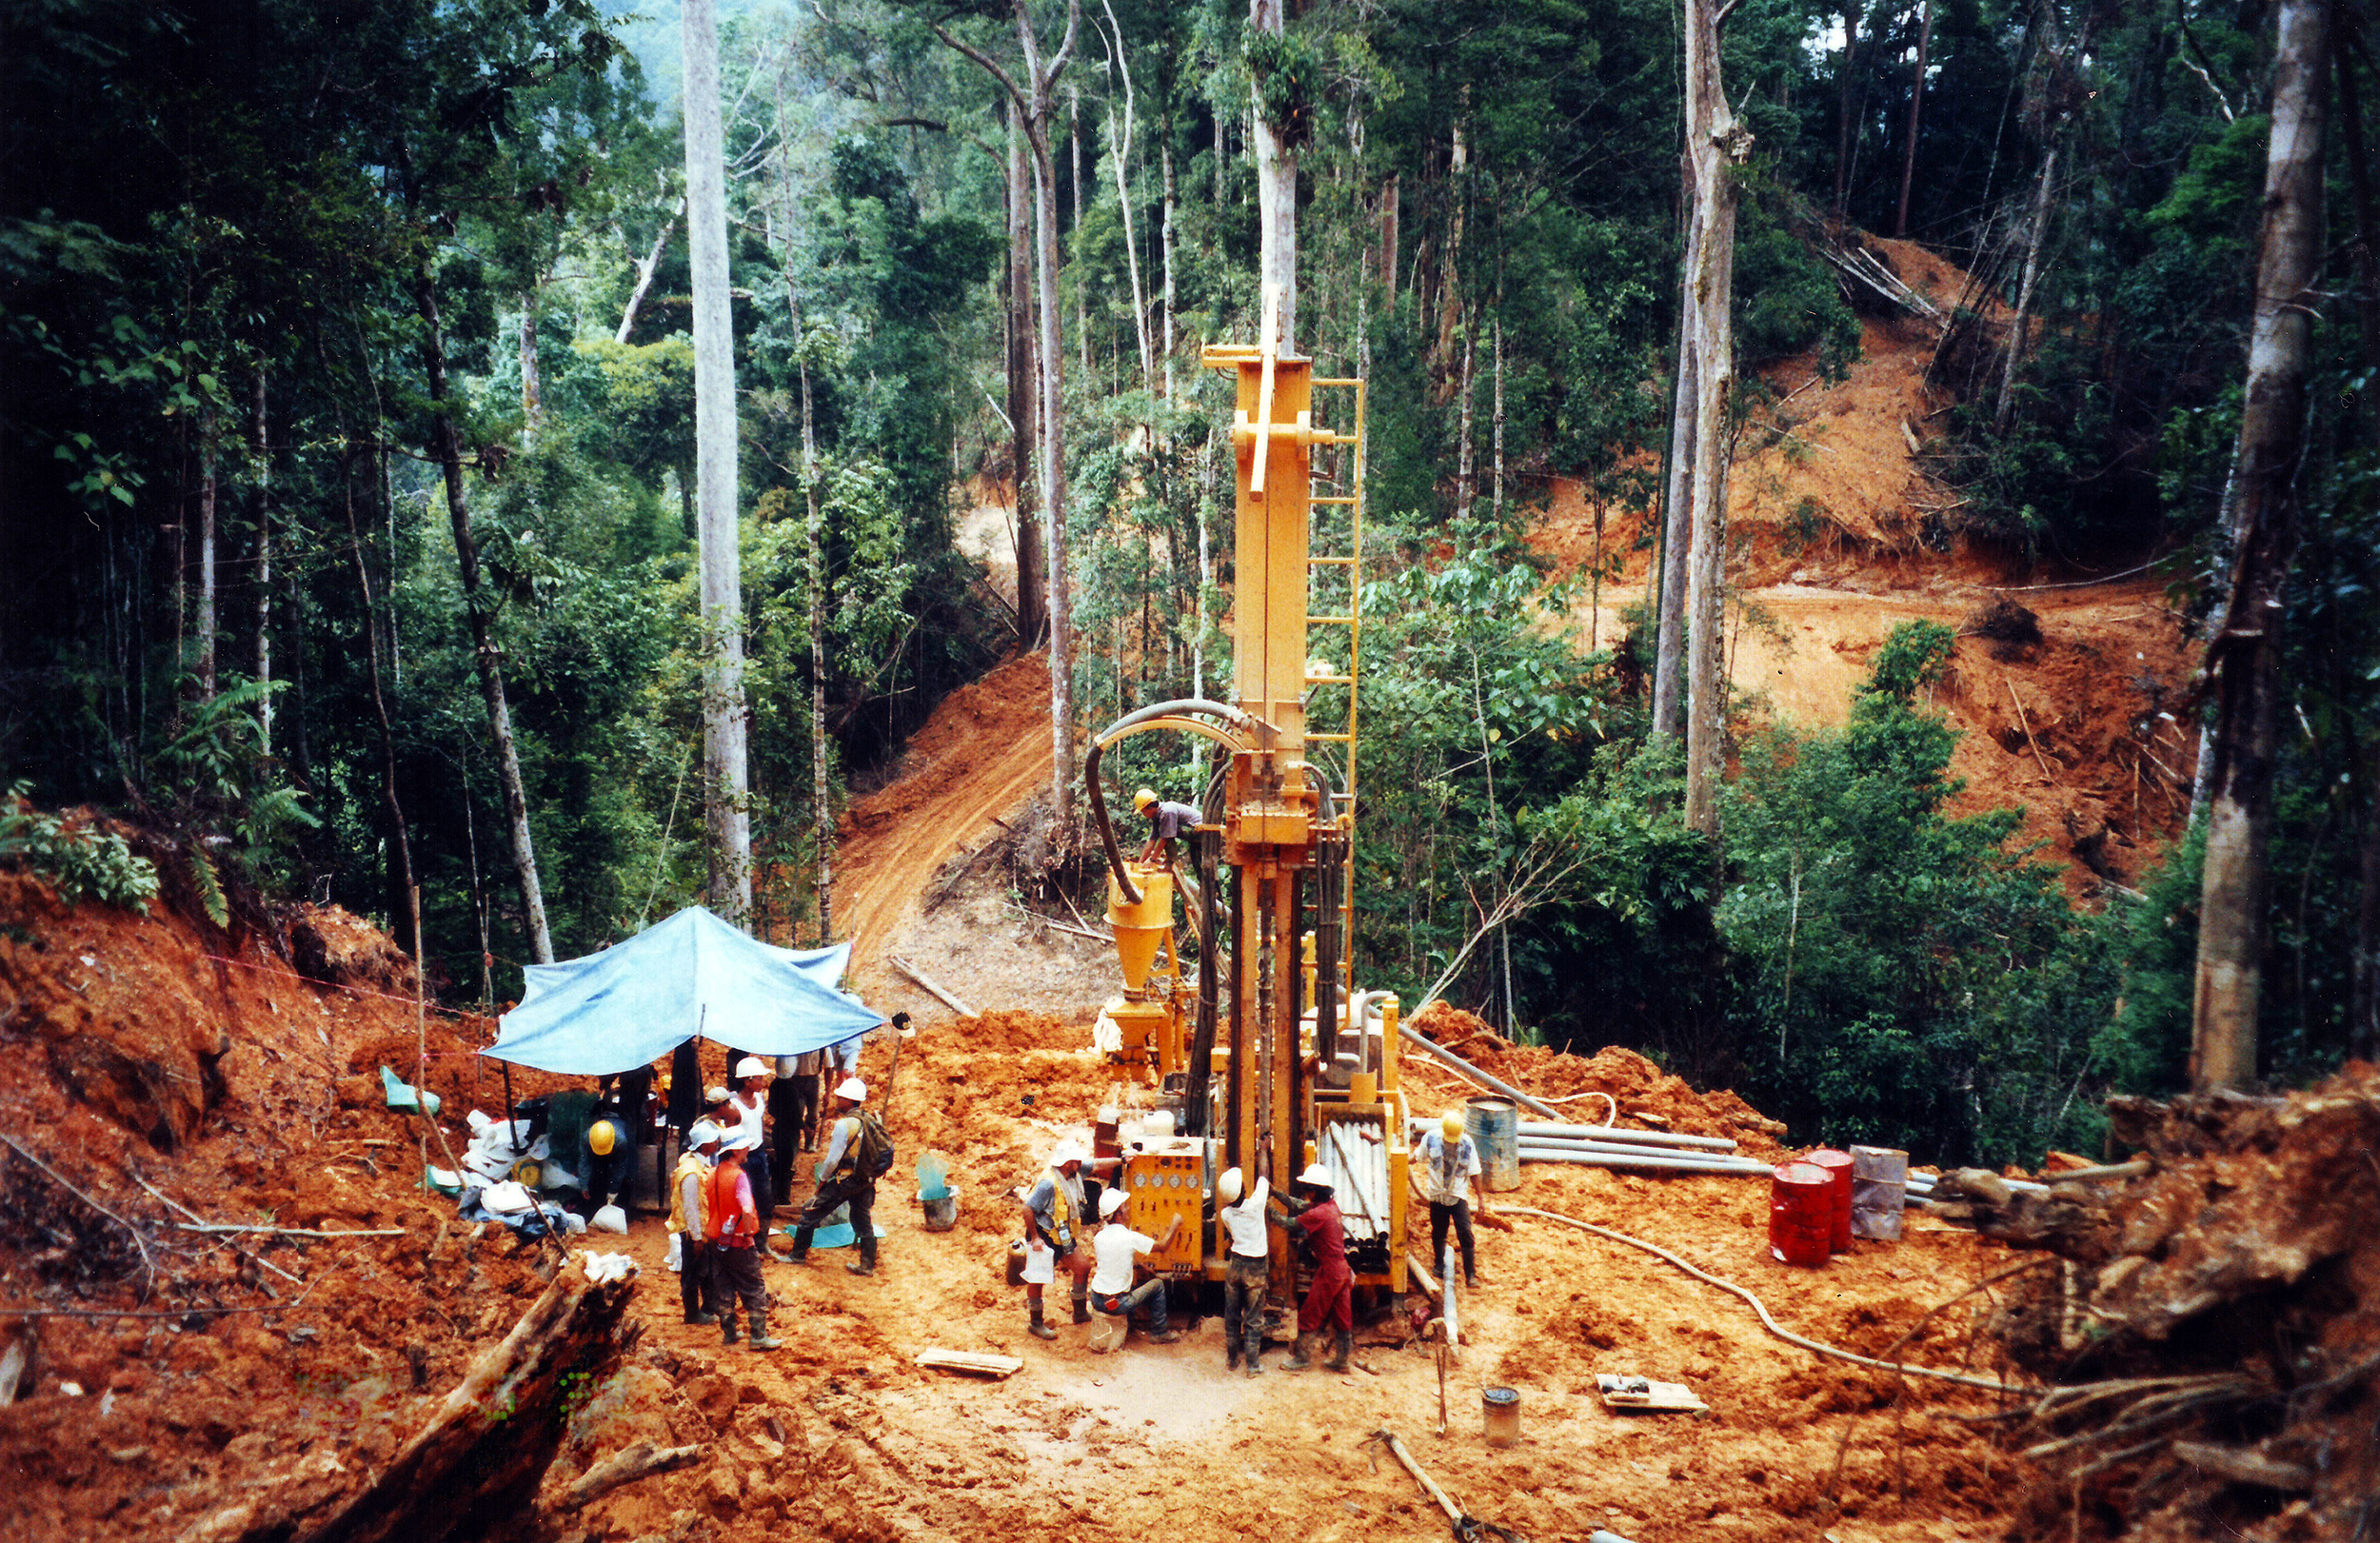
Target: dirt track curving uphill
point(985, 753)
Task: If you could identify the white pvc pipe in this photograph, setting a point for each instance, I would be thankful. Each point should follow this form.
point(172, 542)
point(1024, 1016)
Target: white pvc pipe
point(1612, 1133)
point(1652, 1164)
point(1582, 1143)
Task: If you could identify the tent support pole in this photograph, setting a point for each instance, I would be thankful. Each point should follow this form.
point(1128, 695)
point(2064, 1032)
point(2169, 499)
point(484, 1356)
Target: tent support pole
point(511, 1132)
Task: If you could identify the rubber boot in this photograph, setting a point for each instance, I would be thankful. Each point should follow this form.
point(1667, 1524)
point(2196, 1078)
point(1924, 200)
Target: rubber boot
point(1040, 1329)
point(1343, 1347)
point(762, 1339)
point(860, 1267)
point(727, 1335)
point(1082, 1304)
point(1231, 1355)
point(1297, 1360)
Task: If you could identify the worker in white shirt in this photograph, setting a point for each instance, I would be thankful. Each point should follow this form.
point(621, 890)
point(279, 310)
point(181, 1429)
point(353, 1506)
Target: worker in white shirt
point(1248, 1268)
point(1116, 1246)
point(1442, 1169)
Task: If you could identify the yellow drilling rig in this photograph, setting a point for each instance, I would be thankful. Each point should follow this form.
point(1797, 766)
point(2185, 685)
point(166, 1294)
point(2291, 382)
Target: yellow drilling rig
point(1266, 1055)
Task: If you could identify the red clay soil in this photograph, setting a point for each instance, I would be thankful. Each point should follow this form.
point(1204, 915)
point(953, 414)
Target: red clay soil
point(219, 1422)
point(1828, 525)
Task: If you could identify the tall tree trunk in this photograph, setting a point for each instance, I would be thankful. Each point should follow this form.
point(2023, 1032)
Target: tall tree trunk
point(264, 568)
point(532, 389)
point(1466, 486)
point(1669, 644)
point(206, 563)
point(821, 808)
point(1916, 112)
point(2024, 288)
point(1276, 191)
point(1389, 210)
point(1715, 146)
point(1035, 99)
point(1023, 387)
point(479, 608)
point(1165, 253)
point(1845, 107)
point(724, 817)
point(1450, 303)
point(2245, 655)
point(1052, 419)
point(1082, 283)
point(1119, 148)
point(1497, 353)
point(400, 844)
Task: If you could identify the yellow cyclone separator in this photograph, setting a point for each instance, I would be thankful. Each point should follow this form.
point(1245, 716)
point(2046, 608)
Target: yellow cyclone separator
point(1141, 928)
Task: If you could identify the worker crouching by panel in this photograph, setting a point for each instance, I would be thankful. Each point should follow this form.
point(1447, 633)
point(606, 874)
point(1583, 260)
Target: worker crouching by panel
point(1331, 1299)
point(1115, 1248)
point(1247, 1269)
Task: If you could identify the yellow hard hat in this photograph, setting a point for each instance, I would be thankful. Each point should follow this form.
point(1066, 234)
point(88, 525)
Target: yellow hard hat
point(601, 1137)
point(1142, 800)
point(1451, 1124)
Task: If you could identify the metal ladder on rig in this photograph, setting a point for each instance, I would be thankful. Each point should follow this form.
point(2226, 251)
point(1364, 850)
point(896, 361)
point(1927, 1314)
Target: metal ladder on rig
point(1341, 606)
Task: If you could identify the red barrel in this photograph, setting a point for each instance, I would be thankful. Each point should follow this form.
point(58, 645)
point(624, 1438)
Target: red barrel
point(1801, 1214)
point(1837, 1165)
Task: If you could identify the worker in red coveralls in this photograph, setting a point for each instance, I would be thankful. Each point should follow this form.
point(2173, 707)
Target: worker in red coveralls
point(1331, 1301)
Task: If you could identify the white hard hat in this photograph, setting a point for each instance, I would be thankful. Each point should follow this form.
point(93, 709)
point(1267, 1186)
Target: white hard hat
point(853, 1089)
point(1317, 1175)
point(1230, 1187)
point(751, 1066)
point(1111, 1201)
point(1068, 1151)
point(714, 1094)
point(743, 1138)
point(702, 1133)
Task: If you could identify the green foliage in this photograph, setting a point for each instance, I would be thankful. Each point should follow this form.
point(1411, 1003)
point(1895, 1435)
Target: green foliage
point(1786, 299)
point(83, 862)
point(1288, 68)
point(1899, 977)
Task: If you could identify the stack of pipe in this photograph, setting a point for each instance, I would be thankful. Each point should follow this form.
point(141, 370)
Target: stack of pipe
point(1608, 1146)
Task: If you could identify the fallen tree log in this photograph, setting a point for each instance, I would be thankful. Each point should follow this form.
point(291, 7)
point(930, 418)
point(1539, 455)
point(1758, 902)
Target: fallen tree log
point(475, 1468)
point(637, 1460)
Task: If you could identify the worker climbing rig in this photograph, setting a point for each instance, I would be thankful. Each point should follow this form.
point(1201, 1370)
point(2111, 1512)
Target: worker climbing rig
point(1270, 1058)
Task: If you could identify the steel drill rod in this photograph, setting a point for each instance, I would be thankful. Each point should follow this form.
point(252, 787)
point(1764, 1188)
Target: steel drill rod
point(1581, 1144)
point(1612, 1133)
point(1651, 1162)
point(1473, 1074)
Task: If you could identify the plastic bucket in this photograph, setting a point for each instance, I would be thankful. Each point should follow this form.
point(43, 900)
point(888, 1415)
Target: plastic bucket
point(1015, 1262)
point(1801, 1214)
point(1493, 1125)
point(1500, 1408)
point(1838, 1168)
point(942, 1213)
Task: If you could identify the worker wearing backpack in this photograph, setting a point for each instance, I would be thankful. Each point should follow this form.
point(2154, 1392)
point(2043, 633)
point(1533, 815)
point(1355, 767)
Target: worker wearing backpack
point(858, 1152)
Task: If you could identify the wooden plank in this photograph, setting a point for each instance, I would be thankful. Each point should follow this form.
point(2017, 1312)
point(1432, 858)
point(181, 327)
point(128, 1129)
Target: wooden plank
point(1634, 1395)
point(968, 1360)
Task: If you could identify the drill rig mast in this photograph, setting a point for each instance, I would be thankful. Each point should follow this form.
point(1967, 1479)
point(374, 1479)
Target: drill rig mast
point(1276, 1062)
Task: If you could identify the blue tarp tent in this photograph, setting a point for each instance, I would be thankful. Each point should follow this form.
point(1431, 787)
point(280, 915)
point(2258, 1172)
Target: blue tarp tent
point(638, 1001)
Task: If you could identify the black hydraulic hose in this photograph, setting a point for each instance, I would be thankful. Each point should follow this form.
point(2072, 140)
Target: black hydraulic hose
point(1099, 747)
